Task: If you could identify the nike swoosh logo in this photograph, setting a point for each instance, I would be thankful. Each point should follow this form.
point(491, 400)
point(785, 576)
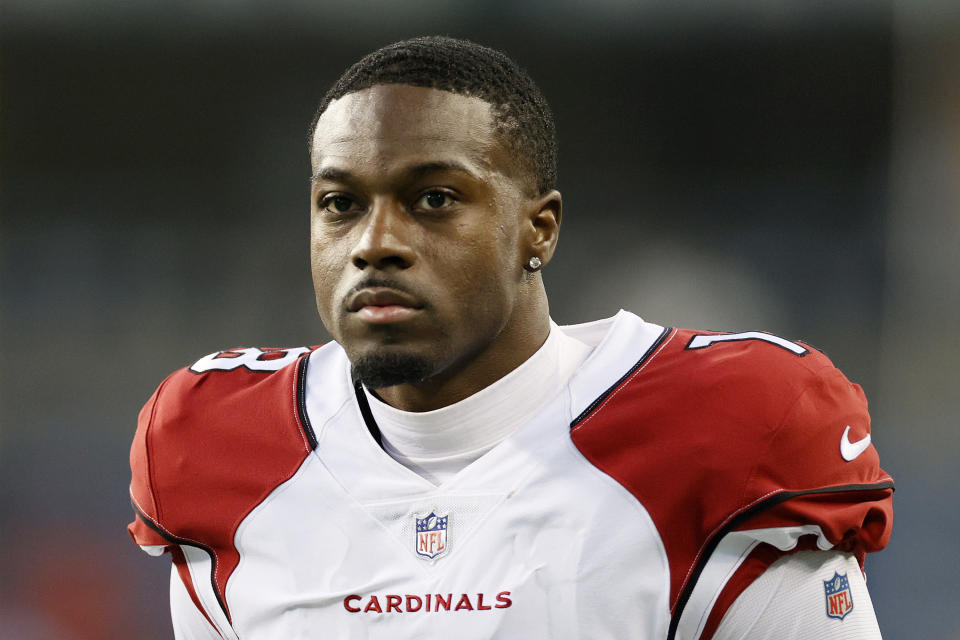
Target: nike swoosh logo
point(850, 450)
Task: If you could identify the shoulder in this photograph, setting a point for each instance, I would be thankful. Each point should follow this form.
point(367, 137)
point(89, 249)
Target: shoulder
point(780, 404)
point(764, 373)
point(731, 440)
point(221, 396)
point(707, 388)
point(754, 408)
point(231, 419)
point(732, 385)
point(224, 373)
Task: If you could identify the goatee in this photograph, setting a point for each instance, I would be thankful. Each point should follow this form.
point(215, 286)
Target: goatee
point(379, 370)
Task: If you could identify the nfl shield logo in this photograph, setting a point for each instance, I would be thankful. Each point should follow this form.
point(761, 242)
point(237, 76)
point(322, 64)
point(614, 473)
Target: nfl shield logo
point(839, 599)
point(432, 535)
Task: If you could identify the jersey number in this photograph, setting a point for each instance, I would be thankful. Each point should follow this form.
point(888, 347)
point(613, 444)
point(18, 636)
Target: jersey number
point(703, 341)
point(253, 359)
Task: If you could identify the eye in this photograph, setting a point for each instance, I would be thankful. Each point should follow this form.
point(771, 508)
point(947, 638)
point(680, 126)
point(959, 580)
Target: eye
point(434, 200)
point(337, 204)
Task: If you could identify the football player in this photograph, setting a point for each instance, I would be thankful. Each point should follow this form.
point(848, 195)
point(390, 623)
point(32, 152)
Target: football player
point(456, 465)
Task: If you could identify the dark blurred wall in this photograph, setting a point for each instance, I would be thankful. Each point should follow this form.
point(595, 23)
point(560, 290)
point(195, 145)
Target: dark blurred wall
point(724, 171)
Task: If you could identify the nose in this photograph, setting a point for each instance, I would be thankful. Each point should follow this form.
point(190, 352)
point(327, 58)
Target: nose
point(384, 241)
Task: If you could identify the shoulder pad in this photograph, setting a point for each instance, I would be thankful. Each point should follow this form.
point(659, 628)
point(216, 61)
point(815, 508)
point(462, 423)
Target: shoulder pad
point(213, 440)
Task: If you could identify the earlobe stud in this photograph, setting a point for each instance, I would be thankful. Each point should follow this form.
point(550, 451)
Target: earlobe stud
point(534, 264)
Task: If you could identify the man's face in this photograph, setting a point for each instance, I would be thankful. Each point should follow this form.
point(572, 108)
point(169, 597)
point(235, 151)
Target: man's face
point(419, 230)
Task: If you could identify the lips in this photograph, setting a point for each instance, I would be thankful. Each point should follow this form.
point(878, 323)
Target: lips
point(381, 297)
point(381, 305)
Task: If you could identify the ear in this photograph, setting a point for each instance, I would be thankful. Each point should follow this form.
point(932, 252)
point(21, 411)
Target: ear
point(544, 225)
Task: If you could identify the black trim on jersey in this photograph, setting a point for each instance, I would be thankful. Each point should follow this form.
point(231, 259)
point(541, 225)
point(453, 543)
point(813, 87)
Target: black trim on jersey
point(172, 538)
point(603, 396)
point(302, 400)
point(372, 426)
point(737, 521)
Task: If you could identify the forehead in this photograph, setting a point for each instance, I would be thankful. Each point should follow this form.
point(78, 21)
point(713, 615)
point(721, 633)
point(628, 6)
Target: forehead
point(386, 123)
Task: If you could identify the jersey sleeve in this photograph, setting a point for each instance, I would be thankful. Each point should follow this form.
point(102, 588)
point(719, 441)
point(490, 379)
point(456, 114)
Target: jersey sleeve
point(815, 484)
point(820, 468)
point(794, 599)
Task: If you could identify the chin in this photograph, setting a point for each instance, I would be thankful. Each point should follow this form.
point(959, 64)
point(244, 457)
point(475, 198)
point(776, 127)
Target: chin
point(386, 369)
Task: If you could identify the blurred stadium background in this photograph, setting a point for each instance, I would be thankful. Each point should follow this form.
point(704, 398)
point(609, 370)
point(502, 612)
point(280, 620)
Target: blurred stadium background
point(736, 164)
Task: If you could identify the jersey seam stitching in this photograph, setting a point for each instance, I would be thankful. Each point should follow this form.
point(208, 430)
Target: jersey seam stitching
point(716, 530)
point(193, 577)
point(624, 384)
point(147, 440)
point(173, 538)
point(705, 614)
point(299, 370)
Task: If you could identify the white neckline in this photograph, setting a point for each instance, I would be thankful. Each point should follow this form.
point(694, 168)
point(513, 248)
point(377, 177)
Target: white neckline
point(350, 453)
point(438, 444)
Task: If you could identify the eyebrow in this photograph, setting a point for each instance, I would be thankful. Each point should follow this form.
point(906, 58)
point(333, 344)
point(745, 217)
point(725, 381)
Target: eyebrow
point(341, 175)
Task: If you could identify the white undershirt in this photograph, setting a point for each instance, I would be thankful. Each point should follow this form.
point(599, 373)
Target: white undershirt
point(437, 444)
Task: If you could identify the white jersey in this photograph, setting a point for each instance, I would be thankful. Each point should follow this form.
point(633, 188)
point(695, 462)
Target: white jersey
point(672, 469)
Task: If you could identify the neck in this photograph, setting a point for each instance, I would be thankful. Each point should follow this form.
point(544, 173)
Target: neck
point(439, 444)
point(481, 367)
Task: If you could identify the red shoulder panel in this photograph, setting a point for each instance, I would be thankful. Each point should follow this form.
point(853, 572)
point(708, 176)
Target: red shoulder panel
point(209, 448)
point(141, 492)
point(714, 436)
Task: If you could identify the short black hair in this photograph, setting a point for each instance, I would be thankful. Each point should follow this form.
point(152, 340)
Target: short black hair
point(521, 113)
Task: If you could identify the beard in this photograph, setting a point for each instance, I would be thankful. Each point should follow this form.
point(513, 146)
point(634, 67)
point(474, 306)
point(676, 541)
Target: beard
point(380, 370)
